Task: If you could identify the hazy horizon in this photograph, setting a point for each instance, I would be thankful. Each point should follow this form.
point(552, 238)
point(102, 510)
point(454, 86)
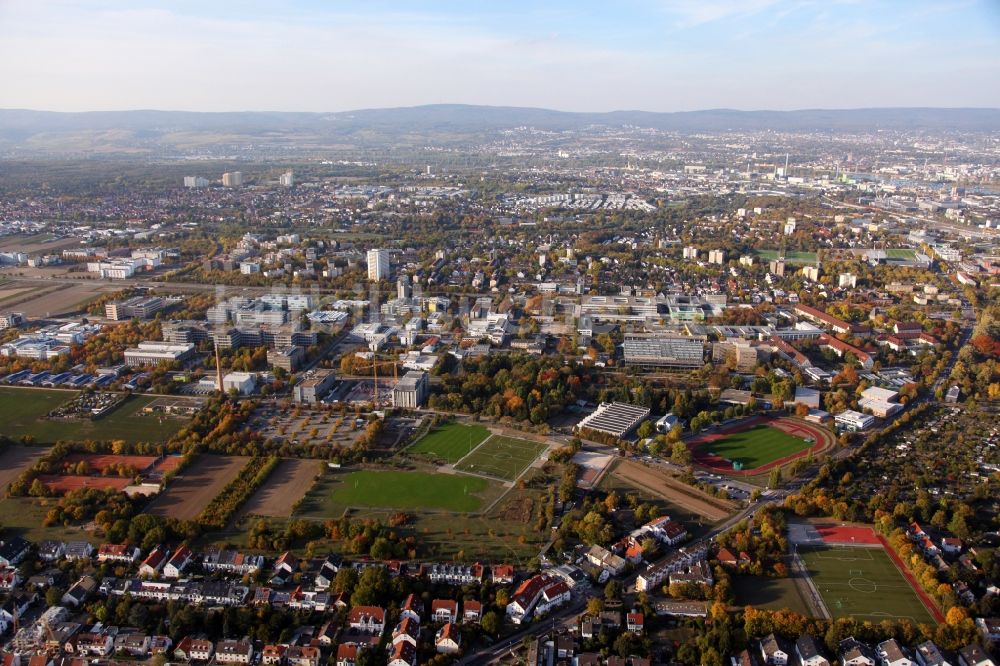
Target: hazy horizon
point(502, 106)
point(647, 55)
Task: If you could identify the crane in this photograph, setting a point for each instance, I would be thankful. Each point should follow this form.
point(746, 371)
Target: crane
point(376, 364)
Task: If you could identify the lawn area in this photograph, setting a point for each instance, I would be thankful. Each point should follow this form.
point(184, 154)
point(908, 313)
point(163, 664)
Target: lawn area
point(862, 582)
point(393, 489)
point(507, 531)
point(791, 257)
point(769, 593)
point(23, 516)
point(756, 446)
point(501, 457)
point(450, 442)
point(22, 411)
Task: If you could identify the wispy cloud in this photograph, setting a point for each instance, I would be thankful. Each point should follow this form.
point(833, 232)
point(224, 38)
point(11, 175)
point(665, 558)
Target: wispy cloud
point(689, 13)
point(571, 54)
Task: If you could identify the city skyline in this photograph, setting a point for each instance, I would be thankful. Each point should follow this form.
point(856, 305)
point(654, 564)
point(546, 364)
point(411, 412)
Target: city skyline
point(672, 55)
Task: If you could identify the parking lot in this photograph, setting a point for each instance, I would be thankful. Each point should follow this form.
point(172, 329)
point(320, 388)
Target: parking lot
point(308, 425)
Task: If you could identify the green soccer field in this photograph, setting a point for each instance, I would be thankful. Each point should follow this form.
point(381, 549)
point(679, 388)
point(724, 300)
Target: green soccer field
point(409, 490)
point(756, 446)
point(501, 457)
point(22, 411)
point(450, 442)
point(862, 582)
point(791, 257)
point(901, 253)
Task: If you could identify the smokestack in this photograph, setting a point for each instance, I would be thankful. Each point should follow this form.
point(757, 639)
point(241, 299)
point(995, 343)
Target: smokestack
point(218, 367)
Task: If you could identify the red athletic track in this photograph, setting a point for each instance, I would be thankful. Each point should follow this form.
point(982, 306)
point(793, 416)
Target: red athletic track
point(844, 535)
point(924, 597)
point(822, 438)
point(840, 534)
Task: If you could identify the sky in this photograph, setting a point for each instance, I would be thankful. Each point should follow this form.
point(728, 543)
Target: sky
point(574, 55)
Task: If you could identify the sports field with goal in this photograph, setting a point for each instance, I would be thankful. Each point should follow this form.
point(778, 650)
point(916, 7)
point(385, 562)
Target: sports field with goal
point(501, 457)
point(409, 490)
point(450, 442)
point(862, 582)
point(756, 446)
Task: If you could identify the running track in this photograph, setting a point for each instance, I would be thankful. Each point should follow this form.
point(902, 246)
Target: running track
point(823, 440)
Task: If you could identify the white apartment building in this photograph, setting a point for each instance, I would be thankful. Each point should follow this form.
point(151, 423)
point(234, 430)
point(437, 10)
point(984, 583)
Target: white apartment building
point(378, 265)
point(232, 179)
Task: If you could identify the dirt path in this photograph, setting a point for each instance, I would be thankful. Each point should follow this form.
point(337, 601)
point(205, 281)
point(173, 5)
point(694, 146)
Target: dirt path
point(712, 508)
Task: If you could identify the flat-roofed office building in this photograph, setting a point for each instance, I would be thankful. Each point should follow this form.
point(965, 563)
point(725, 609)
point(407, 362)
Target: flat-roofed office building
point(411, 390)
point(152, 353)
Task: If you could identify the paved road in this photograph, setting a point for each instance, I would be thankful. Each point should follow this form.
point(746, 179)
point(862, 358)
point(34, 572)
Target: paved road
point(565, 617)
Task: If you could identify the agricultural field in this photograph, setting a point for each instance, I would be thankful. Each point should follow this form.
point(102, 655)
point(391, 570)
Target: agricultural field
point(392, 489)
point(862, 582)
point(37, 243)
point(14, 460)
point(450, 442)
point(501, 457)
point(791, 257)
point(676, 492)
point(62, 299)
point(22, 412)
point(284, 487)
point(193, 488)
point(10, 291)
point(756, 446)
